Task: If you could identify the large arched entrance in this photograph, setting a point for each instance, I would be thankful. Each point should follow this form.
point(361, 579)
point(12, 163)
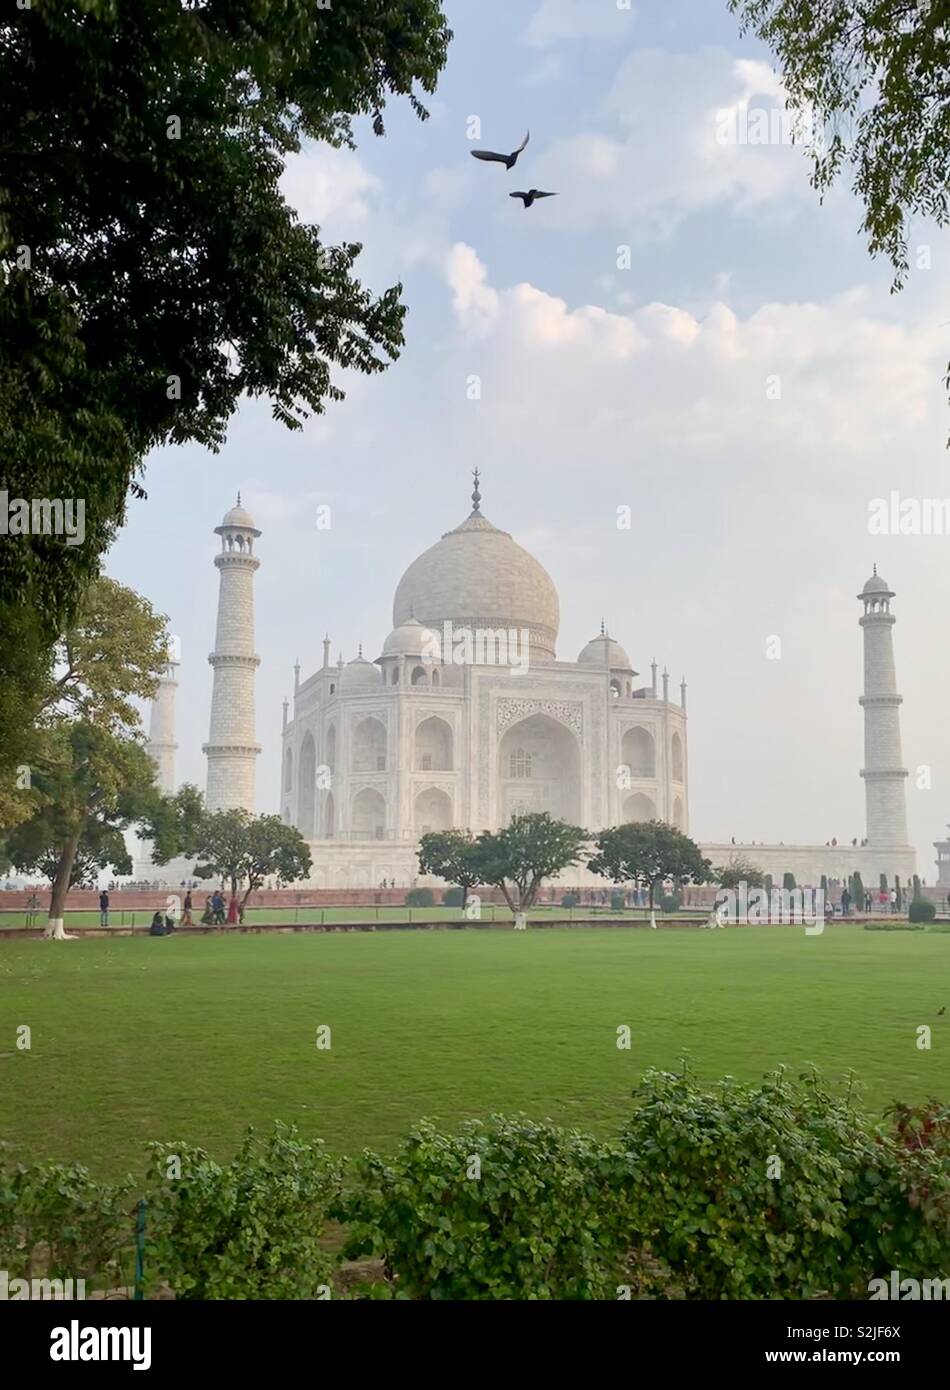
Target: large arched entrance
point(638, 752)
point(539, 770)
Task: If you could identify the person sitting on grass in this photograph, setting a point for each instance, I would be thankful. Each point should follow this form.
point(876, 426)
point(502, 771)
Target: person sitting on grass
point(158, 925)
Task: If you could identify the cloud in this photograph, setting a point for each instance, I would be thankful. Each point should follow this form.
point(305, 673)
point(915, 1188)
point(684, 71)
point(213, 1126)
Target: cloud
point(330, 187)
point(664, 157)
point(789, 376)
point(555, 20)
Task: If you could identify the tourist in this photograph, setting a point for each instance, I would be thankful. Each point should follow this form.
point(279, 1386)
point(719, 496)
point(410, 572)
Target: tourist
point(217, 908)
point(158, 925)
point(893, 898)
point(207, 917)
point(103, 909)
point(845, 902)
point(232, 911)
point(186, 911)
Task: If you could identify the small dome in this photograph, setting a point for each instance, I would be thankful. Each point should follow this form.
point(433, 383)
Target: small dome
point(360, 674)
point(239, 517)
point(604, 652)
point(409, 639)
point(876, 585)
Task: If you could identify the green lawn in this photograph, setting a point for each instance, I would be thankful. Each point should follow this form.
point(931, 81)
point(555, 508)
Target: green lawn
point(194, 1038)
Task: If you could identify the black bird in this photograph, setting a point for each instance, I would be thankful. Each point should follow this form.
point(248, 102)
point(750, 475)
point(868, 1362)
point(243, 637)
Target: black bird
point(529, 197)
point(942, 1011)
point(509, 160)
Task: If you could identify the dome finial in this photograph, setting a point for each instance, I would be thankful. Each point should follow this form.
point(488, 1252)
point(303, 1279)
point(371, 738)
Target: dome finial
point(360, 652)
point(239, 499)
point(603, 632)
point(476, 495)
point(875, 569)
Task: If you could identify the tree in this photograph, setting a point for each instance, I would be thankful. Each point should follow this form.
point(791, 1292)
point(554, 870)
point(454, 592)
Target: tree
point(647, 852)
point(519, 858)
point(788, 882)
point(452, 855)
point(240, 848)
point(875, 77)
point(151, 272)
point(93, 777)
point(740, 870)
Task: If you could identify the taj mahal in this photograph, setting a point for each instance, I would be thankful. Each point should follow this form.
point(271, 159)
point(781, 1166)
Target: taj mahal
point(467, 716)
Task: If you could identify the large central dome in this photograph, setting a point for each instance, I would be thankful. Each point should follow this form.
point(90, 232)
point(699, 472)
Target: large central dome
point(478, 577)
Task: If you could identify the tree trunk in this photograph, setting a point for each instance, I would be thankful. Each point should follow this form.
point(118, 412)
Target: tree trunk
point(652, 909)
point(55, 931)
point(464, 897)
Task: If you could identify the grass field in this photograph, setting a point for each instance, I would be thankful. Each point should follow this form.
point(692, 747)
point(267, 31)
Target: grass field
point(194, 1038)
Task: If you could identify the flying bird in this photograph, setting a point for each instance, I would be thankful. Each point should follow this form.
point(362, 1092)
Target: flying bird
point(529, 197)
point(509, 160)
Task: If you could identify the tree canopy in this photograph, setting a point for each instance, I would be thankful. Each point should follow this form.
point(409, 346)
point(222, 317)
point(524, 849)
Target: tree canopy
point(454, 855)
point(151, 272)
point(875, 78)
point(646, 853)
point(246, 849)
point(528, 850)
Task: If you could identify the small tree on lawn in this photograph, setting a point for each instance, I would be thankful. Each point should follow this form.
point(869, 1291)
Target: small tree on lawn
point(519, 858)
point(646, 853)
point(740, 870)
point(788, 882)
point(452, 855)
point(240, 848)
point(857, 892)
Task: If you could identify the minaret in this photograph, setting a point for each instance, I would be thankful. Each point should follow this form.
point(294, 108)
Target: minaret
point(882, 772)
point(231, 746)
point(161, 729)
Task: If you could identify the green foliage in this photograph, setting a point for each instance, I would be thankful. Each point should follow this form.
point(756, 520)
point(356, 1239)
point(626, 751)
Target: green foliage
point(244, 849)
point(618, 902)
point(646, 853)
point(57, 1222)
point(159, 252)
point(670, 902)
point(857, 892)
point(530, 849)
point(788, 882)
point(420, 897)
point(740, 870)
point(570, 900)
point(250, 1229)
point(838, 1211)
point(452, 855)
point(894, 926)
point(921, 910)
point(453, 897)
point(508, 1209)
point(874, 75)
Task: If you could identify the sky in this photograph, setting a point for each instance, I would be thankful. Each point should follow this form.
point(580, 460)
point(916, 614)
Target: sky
point(687, 331)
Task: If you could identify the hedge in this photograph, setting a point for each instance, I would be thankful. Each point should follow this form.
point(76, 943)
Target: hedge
point(775, 1190)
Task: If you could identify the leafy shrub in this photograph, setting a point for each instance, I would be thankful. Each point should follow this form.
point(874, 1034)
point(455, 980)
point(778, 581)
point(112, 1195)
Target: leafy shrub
point(507, 1209)
point(570, 900)
point(921, 910)
point(251, 1229)
point(775, 1191)
point(57, 1222)
point(670, 902)
point(617, 902)
point(893, 926)
point(420, 897)
point(452, 897)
